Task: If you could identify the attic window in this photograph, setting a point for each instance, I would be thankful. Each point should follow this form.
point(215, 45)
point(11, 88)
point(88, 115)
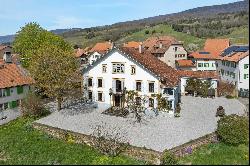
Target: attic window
point(133, 70)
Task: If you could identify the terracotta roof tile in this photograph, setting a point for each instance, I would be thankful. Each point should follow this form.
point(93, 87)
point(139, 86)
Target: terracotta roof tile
point(199, 74)
point(12, 75)
point(79, 52)
point(132, 44)
point(185, 63)
point(168, 75)
point(101, 47)
point(235, 57)
point(216, 46)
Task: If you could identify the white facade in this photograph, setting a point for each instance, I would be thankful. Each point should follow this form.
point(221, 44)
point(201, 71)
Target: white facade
point(205, 65)
point(236, 73)
point(133, 72)
point(13, 96)
point(93, 57)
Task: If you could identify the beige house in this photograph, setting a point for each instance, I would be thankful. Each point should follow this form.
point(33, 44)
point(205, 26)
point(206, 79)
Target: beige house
point(165, 48)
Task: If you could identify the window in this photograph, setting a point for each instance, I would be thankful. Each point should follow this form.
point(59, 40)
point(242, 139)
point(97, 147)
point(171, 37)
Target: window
point(151, 87)
point(99, 81)
point(246, 76)
point(1, 93)
point(233, 64)
point(138, 100)
point(118, 68)
point(100, 96)
point(138, 86)
point(222, 72)
point(176, 55)
point(5, 106)
point(170, 104)
point(227, 73)
point(19, 89)
point(206, 64)
point(168, 91)
point(90, 83)
point(246, 66)
point(228, 64)
point(104, 68)
point(200, 64)
point(151, 102)
point(223, 63)
point(90, 96)
point(175, 49)
point(132, 70)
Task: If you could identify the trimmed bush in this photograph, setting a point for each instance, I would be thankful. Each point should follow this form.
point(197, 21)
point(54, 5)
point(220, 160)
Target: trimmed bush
point(168, 158)
point(233, 129)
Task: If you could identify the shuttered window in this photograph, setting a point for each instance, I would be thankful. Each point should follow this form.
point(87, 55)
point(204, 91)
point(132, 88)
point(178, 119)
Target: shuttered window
point(19, 89)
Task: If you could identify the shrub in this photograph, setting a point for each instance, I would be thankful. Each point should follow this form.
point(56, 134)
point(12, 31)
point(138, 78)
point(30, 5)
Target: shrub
point(220, 112)
point(110, 140)
point(230, 97)
point(32, 106)
point(233, 129)
point(147, 32)
point(168, 158)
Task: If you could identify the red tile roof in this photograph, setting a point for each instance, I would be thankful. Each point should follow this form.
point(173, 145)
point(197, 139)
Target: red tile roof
point(213, 49)
point(153, 43)
point(235, 57)
point(132, 44)
point(185, 63)
point(12, 75)
point(79, 52)
point(101, 47)
point(199, 74)
point(168, 75)
point(216, 46)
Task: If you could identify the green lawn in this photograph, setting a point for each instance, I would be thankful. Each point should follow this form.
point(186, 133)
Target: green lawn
point(21, 144)
point(218, 154)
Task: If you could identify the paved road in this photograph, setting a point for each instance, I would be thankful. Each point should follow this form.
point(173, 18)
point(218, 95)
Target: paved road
point(11, 115)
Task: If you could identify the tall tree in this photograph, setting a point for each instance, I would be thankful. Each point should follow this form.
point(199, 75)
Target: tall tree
point(49, 59)
point(53, 70)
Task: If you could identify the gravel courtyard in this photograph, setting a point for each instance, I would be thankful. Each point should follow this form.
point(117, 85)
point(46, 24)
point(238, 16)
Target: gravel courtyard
point(157, 133)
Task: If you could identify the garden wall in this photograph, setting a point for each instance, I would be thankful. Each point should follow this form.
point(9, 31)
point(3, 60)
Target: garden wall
point(140, 153)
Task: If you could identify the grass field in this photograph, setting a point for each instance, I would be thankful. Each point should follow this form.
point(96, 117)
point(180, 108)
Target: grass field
point(161, 30)
point(219, 154)
point(20, 144)
point(239, 36)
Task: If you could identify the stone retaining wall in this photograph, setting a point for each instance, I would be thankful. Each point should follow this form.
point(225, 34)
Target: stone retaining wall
point(190, 146)
point(140, 153)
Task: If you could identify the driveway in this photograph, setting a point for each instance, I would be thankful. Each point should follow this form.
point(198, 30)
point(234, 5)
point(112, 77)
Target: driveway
point(157, 133)
point(11, 114)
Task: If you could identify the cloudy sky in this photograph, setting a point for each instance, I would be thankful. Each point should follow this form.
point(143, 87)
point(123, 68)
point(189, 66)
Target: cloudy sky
point(58, 14)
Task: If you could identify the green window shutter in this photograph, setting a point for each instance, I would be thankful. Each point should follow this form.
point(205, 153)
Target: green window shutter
point(245, 66)
point(14, 104)
point(19, 89)
point(8, 91)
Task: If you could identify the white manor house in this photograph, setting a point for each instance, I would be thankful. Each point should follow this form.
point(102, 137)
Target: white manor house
point(132, 69)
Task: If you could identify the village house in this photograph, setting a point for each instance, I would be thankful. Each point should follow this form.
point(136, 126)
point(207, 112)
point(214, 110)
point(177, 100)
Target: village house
point(130, 69)
point(14, 84)
point(166, 48)
point(205, 59)
point(98, 50)
point(233, 66)
point(4, 49)
point(125, 69)
point(132, 44)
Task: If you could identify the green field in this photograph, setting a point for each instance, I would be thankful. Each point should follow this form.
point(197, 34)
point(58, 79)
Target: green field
point(20, 144)
point(162, 30)
point(239, 36)
point(219, 154)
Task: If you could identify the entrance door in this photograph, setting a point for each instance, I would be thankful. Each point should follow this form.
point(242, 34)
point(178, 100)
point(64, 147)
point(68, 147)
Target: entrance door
point(118, 85)
point(117, 100)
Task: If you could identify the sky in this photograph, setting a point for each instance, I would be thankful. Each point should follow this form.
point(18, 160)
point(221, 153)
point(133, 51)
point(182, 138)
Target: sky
point(60, 14)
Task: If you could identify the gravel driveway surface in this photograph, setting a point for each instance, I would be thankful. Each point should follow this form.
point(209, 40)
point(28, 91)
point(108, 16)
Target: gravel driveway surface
point(157, 133)
point(11, 114)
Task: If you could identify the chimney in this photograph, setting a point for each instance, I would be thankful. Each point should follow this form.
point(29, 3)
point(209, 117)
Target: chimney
point(7, 57)
point(160, 44)
point(140, 47)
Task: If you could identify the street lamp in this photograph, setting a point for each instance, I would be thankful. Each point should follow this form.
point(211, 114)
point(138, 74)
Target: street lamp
point(110, 94)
